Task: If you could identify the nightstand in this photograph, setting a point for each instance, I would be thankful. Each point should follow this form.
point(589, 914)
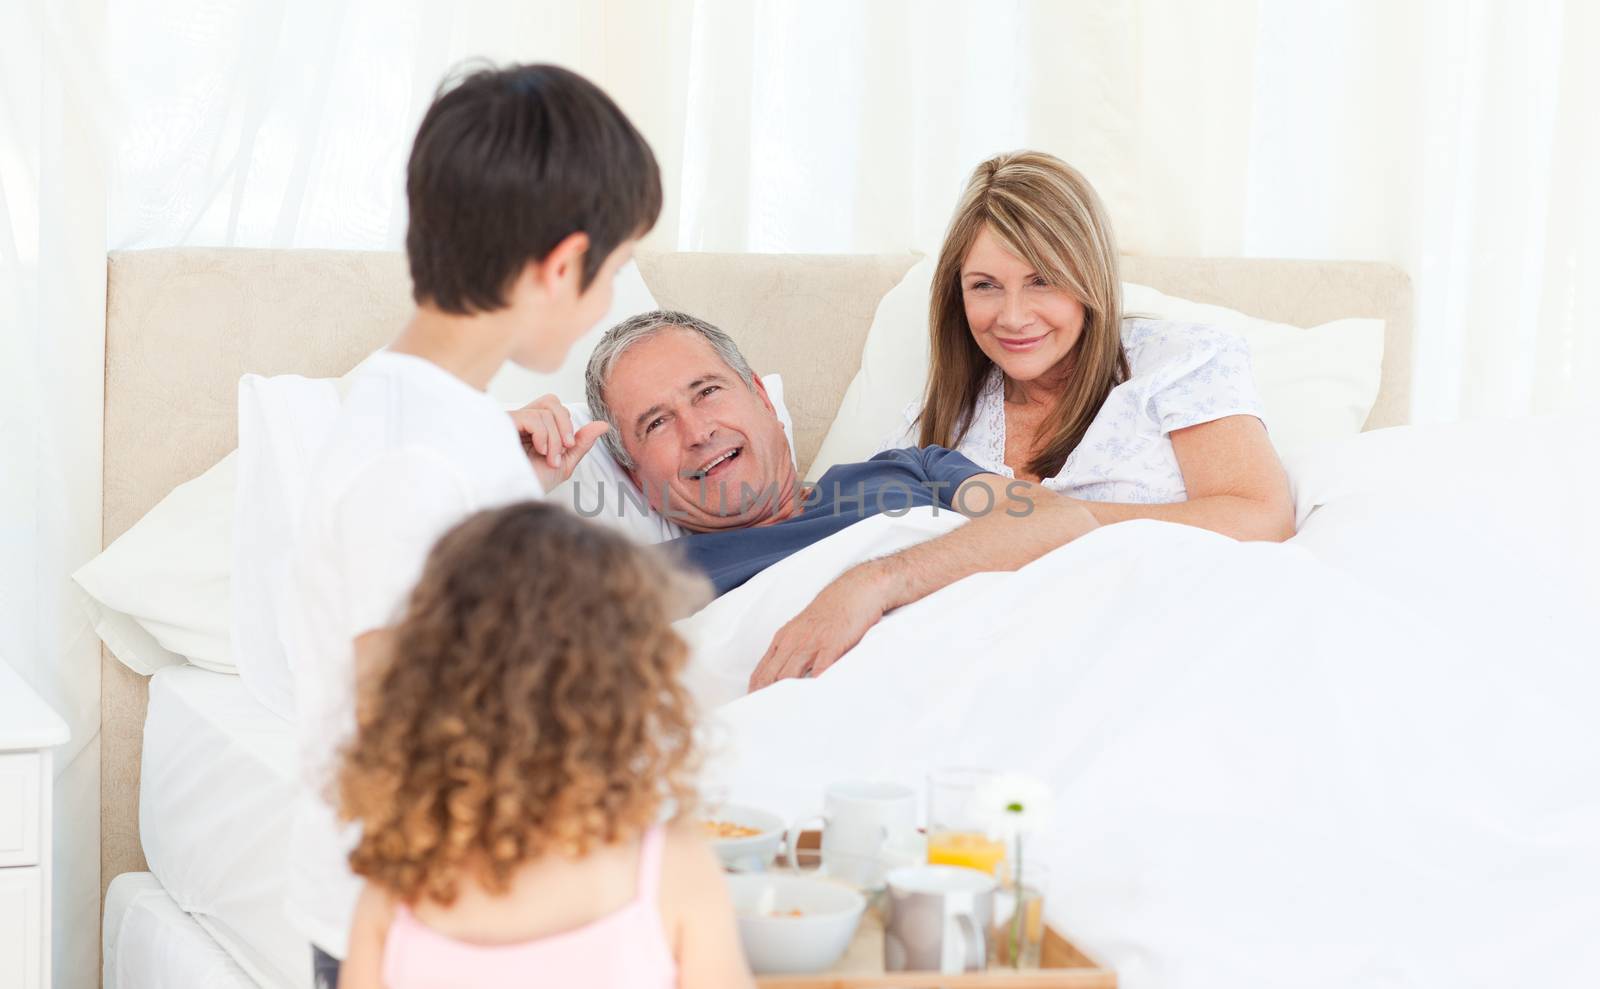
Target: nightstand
point(29, 729)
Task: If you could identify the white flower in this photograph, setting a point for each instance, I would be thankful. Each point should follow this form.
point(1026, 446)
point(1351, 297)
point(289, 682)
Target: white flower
point(1011, 804)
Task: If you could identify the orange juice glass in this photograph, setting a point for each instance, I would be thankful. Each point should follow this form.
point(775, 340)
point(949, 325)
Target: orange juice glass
point(956, 832)
point(972, 849)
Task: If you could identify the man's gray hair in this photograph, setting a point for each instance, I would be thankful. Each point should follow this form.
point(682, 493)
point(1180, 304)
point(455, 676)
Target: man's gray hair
point(625, 334)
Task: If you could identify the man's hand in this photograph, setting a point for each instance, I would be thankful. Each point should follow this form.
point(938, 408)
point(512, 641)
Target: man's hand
point(829, 627)
point(1025, 522)
point(553, 447)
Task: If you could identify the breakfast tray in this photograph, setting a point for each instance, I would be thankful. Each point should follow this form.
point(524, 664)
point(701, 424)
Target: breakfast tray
point(1063, 966)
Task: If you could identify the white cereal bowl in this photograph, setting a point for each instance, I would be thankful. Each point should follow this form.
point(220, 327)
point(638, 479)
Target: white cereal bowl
point(776, 943)
point(754, 852)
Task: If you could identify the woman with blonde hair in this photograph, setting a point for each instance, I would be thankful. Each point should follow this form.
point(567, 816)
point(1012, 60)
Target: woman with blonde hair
point(1037, 373)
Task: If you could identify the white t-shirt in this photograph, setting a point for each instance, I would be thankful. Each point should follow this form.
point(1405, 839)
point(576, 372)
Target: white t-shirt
point(1183, 374)
point(415, 450)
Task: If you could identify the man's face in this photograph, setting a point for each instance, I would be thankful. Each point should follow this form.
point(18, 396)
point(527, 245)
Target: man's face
point(708, 450)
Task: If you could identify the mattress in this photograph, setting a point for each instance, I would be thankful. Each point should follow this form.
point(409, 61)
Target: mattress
point(216, 790)
point(152, 944)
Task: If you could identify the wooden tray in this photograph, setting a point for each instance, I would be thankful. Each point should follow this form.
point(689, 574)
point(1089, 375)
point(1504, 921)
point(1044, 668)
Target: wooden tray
point(1063, 966)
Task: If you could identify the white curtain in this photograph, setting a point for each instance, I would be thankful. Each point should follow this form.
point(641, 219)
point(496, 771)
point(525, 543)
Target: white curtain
point(1450, 138)
point(52, 318)
point(1460, 140)
point(1457, 139)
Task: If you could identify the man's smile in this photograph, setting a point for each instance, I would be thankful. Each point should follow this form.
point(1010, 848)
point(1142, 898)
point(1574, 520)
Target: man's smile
point(716, 463)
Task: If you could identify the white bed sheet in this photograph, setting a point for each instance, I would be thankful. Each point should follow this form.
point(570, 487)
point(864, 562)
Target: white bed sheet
point(1364, 757)
point(152, 944)
point(215, 792)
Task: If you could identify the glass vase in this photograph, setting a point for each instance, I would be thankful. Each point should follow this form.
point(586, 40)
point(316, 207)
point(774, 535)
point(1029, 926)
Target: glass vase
point(1017, 938)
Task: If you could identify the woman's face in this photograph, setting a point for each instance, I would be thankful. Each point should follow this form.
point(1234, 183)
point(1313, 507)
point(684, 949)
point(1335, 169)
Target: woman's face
point(1025, 325)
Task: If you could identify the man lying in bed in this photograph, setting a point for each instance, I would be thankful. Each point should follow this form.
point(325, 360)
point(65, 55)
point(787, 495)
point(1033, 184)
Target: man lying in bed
point(694, 428)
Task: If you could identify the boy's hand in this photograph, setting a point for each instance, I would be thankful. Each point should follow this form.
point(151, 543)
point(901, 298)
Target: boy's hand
point(553, 446)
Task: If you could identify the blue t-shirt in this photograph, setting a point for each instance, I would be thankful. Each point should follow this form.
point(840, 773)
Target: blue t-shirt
point(893, 481)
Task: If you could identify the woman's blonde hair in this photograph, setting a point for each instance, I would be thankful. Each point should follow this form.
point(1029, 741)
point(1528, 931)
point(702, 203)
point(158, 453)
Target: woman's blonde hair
point(532, 705)
point(1046, 213)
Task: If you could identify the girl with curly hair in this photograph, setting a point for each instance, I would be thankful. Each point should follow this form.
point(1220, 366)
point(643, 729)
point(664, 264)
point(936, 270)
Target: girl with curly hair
point(512, 764)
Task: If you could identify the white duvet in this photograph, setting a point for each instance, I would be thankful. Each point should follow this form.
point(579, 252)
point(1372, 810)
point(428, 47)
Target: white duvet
point(1368, 756)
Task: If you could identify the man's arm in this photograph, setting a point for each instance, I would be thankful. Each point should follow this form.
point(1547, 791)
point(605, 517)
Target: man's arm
point(1012, 524)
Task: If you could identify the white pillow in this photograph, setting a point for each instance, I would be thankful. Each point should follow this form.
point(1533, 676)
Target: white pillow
point(1316, 384)
point(894, 371)
point(282, 422)
point(159, 593)
point(163, 592)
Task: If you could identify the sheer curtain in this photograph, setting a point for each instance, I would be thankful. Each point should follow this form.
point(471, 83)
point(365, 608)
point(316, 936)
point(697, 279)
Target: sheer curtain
point(1461, 141)
point(1449, 138)
point(52, 317)
point(1455, 139)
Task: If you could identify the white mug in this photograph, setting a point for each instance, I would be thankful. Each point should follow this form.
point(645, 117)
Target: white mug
point(858, 820)
point(939, 917)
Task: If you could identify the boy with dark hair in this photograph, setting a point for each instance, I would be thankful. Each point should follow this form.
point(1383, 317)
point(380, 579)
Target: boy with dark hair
point(527, 188)
point(508, 167)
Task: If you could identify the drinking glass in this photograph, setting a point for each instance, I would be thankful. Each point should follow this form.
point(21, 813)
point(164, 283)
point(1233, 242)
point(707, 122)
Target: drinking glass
point(957, 828)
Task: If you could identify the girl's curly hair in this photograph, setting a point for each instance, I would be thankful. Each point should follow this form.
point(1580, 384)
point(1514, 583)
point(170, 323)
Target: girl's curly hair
point(532, 705)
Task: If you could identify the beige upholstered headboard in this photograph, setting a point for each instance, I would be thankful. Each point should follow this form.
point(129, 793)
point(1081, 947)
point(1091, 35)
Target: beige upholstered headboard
point(183, 324)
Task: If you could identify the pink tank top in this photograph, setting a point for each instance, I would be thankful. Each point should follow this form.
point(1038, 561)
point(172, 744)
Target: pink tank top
point(625, 949)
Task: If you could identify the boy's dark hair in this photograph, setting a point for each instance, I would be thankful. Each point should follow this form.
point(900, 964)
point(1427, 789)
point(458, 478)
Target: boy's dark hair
point(509, 162)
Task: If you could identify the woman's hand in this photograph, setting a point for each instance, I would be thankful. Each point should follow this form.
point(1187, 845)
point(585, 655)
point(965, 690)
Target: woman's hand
point(829, 627)
point(553, 446)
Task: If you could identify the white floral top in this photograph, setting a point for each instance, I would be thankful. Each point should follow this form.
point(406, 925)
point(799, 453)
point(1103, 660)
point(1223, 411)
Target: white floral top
point(1184, 374)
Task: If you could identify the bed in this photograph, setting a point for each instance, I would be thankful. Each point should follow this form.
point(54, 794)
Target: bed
point(217, 783)
point(188, 756)
point(149, 942)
